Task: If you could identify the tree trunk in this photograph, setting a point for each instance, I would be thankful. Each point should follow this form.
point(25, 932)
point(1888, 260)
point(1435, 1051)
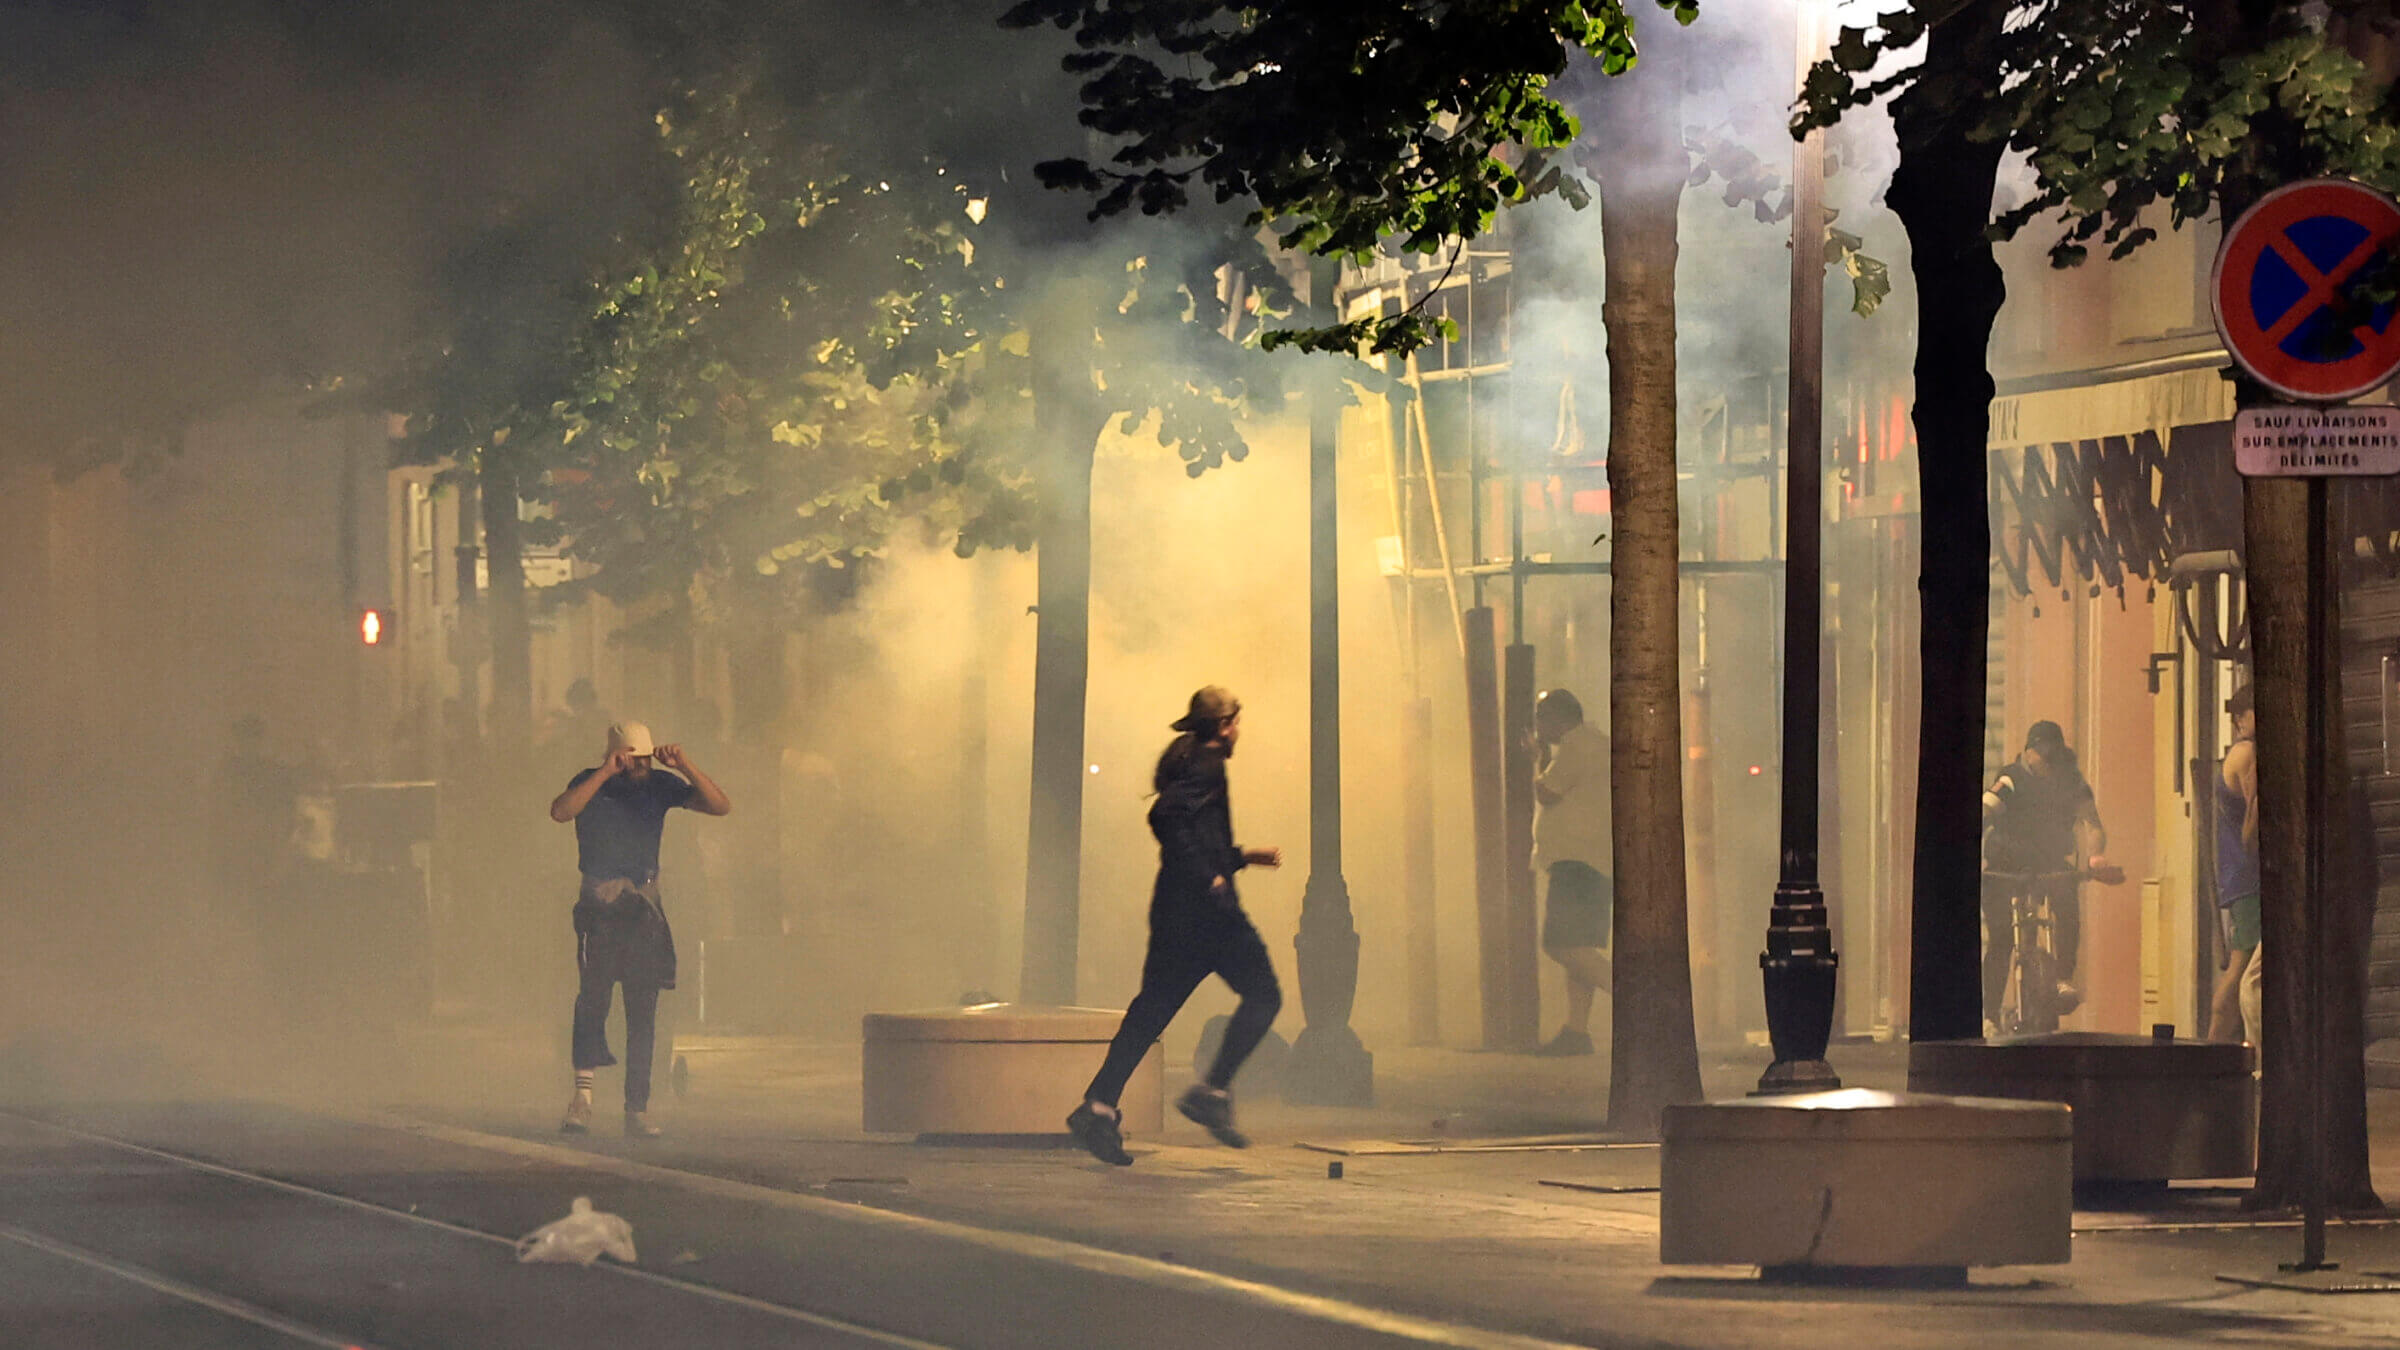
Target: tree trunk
point(511, 722)
point(1068, 435)
point(2275, 520)
point(2275, 530)
point(1942, 192)
point(1654, 1059)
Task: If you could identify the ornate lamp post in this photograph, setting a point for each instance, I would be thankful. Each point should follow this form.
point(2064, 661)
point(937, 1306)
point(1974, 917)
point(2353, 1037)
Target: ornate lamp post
point(1328, 1065)
point(1799, 963)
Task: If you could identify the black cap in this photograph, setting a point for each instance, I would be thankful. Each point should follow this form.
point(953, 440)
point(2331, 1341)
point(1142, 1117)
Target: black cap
point(2045, 736)
point(1210, 705)
point(1569, 708)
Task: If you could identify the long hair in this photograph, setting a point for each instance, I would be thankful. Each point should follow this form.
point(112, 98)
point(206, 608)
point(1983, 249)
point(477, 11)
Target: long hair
point(1172, 759)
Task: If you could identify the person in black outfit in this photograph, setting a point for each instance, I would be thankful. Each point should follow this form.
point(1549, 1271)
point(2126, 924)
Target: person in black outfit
point(621, 933)
point(2040, 819)
point(1197, 928)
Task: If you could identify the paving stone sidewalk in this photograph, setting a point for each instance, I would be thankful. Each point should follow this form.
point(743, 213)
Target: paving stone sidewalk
point(1477, 1191)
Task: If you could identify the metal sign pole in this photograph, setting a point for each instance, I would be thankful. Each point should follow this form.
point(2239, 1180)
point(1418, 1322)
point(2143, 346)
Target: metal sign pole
point(2314, 1062)
point(2304, 345)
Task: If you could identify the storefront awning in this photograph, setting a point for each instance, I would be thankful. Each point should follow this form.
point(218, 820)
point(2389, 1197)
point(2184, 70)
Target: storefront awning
point(2112, 407)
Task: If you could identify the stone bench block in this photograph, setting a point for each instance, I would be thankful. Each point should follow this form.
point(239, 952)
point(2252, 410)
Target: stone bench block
point(996, 1068)
point(1859, 1178)
point(2146, 1109)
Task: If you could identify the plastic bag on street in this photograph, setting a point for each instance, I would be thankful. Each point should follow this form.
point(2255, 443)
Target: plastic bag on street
point(582, 1237)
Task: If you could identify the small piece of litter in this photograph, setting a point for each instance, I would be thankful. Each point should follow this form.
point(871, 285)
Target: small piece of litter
point(580, 1238)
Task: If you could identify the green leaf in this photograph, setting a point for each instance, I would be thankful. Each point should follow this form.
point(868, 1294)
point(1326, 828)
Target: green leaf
point(1852, 52)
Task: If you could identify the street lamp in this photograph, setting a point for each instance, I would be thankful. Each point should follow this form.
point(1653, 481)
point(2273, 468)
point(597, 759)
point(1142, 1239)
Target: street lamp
point(1328, 1065)
point(1799, 964)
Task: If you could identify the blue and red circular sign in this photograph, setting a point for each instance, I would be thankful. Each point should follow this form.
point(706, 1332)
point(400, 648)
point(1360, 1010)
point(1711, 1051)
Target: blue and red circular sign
point(2281, 283)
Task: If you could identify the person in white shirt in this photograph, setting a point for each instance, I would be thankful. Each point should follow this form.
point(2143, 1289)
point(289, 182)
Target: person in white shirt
point(1571, 843)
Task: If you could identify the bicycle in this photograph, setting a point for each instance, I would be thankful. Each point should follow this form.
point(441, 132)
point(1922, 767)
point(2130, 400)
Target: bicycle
point(2031, 1002)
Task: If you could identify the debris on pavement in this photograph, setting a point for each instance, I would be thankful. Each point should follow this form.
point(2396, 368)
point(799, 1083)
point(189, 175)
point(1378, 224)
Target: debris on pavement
point(584, 1236)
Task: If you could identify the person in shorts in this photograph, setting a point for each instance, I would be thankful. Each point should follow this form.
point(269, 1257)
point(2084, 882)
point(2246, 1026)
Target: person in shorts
point(2234, 1010)
point(1571, 844)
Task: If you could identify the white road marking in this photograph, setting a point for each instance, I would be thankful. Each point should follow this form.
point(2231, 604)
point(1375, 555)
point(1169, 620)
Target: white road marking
point(1056, 1251)
point(189, 1293)
point(782, 1310)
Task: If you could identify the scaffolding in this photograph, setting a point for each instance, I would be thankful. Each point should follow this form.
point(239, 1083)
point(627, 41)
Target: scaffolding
point(1472, 504)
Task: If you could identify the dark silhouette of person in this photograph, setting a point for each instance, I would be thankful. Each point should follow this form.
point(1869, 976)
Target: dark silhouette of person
point(1197, 928)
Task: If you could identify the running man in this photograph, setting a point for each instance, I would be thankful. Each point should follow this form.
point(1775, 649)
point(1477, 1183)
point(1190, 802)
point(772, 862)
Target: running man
point(621, 933)
point(1197, 928)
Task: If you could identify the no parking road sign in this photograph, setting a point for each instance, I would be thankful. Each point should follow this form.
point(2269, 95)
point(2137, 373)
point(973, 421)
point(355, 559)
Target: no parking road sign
point(2281, 287)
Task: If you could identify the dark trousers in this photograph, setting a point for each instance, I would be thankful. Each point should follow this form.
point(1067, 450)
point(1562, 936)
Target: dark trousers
point(1192, 938)
point(618, 935)
point(641, 1032)
point(2000, 934)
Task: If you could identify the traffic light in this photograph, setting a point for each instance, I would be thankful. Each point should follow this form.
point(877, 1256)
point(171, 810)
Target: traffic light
point(374, 625)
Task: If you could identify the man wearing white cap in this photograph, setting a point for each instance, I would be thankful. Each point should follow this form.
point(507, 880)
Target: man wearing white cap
point(621, 934)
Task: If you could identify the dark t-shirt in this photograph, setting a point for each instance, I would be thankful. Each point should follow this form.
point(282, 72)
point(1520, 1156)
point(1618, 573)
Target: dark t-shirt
point(617, 835)
point(2035, 831)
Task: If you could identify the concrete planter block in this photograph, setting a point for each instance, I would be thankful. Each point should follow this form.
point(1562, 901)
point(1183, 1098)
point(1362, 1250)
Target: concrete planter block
point(2146, 1109)
point(996, 1068)
point(1858, 1178)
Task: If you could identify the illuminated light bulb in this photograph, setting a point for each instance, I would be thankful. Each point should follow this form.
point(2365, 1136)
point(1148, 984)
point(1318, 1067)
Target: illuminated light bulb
point(370, 627)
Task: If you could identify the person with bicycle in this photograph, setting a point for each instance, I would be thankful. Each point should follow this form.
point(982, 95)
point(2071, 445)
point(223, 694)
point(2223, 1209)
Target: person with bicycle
point(2042, 839)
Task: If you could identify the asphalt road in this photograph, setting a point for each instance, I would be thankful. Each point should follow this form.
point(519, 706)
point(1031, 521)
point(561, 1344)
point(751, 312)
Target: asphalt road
point(214, 1224)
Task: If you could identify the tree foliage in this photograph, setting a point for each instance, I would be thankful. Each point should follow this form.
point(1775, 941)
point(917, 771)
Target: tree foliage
point(749, 389)
point(1750, 181)
point(1342, 126)
point(2123, 106)
point(805, 344)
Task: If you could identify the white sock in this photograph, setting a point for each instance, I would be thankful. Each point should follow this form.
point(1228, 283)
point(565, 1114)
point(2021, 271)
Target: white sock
point(1102, 1109)
point(583, 1086)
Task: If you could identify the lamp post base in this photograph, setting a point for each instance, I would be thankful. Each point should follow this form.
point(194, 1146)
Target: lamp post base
point(1799, 967)
point(1329, 1066)
point(1801, 1075)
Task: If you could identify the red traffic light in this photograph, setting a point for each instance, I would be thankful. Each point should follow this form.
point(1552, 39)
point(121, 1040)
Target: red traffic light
point(373, 625)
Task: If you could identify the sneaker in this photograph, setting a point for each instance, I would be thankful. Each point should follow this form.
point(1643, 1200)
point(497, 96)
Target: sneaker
point(638, 1126)
point(578, 1119)
point(2069, 998)
point(1099, 1135)
point(1212, 1110)
point(1567, 1042)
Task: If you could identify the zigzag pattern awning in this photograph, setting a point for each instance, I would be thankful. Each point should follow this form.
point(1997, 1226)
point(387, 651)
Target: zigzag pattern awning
point(2118, 509)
